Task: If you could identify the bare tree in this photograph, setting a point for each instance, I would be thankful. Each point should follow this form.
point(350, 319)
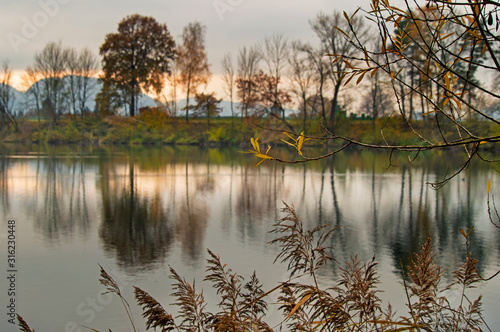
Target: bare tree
point(248, 66)
point(274, 53)
point(301, 75)
point(228, 76)
point(174, 80)
point(50, 65)
point(87, 72)
point(333, 41)
point(193, 60)
point(7, 97)
point(321, 68)
point(33, 90)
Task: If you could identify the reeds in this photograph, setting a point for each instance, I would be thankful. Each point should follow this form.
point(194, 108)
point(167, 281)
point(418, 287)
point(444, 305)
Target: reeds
point(351, 304)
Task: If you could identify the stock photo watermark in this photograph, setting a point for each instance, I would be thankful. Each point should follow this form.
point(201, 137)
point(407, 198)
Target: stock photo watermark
point(11, 272)
point(31, 25)
point(89, 308)
point(223, 6)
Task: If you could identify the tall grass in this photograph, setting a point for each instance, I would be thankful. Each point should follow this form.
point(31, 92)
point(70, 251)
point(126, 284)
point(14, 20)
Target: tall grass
point(350, 304)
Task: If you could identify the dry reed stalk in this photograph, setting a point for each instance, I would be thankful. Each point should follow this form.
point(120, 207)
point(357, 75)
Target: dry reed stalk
point(23, 325)
point(156, 316)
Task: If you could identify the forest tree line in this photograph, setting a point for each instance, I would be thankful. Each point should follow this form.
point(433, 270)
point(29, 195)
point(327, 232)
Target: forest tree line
point(263, 79)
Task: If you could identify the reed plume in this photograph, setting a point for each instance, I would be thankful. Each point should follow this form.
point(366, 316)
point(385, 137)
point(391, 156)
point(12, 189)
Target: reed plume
point(192, 305)
point(23, 325)
point(153, 311)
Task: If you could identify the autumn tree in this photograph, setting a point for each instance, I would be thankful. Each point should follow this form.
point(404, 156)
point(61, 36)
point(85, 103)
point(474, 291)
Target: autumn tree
point(270, 99)
point(206, 105)
point(193, 61)
point(136, 58)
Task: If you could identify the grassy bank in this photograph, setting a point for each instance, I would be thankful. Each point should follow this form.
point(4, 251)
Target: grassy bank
point(158, 129)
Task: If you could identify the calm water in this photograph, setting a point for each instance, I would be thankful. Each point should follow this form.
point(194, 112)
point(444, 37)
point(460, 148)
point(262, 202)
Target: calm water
point(137, 211)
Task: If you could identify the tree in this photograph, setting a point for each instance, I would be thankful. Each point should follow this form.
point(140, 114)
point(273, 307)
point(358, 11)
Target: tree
point(317, 60)
point(174, 82)
point(82, 68)
point(193, 60)
point(206, 105)
point(301, 77)
point(50, 66)
point(228, 76)
point(136, 58)
point(274, 53)
point(269, 99)
point(248, 65)
point(332, 41)
point(33, 90)
point(466, 24)
point(7, 97)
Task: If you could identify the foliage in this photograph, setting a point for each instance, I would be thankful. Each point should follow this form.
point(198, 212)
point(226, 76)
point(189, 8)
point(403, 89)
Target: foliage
point(136, 58)
point(206, 105)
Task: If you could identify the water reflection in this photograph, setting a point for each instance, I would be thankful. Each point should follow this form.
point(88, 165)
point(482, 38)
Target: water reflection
point(148, 202)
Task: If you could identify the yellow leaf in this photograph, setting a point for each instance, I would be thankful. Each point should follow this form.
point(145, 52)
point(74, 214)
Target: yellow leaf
point(360, 78)
point(300, 141)
point(463, 233)
point(298, 305)
point(288, 143)
point(343, 32)
point(446, 101)
point(457, 102)
point(347, 17)
point(484, 49)
point(470, 230)
point(489, 185)
point(255, 144)
point(290, 136)
point(263, 156)
point(430, 112)
point(349, 79)
point(447, 81)
point(374, 71)
point(260, 162)
point(348, 64)
point(446, 36)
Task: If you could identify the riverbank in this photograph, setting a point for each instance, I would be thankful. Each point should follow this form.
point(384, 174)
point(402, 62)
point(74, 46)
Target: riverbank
point(155, 129)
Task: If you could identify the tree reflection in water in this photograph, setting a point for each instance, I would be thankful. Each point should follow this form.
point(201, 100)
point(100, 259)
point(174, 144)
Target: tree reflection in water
point(148, 202)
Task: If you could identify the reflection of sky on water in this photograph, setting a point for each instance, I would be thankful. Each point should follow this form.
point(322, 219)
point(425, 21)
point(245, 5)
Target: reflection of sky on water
point(142, 211)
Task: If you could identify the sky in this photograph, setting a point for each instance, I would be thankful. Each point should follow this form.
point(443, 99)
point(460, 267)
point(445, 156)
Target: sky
point(27, 26)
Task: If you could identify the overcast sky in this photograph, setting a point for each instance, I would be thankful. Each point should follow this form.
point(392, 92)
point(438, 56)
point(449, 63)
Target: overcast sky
point(28, 25)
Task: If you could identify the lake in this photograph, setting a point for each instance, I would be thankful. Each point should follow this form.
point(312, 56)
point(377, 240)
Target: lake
point(137, 211)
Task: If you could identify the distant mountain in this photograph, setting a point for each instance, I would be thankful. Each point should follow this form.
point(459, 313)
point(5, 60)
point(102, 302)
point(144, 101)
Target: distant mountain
point(21, 98)
point(21, 101)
